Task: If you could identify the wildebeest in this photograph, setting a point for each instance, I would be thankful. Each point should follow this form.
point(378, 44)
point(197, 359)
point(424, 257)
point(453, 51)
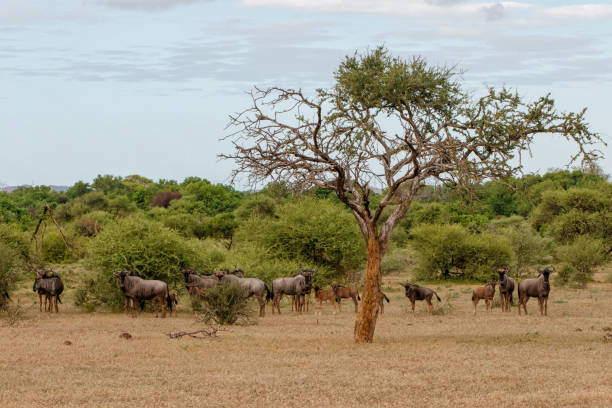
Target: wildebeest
point(415, 292)
point(486, 292)
point(380, 298)
point(254, 287)
point(537, 287)
point(324, 296)
point(197, 284)
point(49, 285)
point(506, 287)
point(342, 292)
point(136, 288)
point(296, 285)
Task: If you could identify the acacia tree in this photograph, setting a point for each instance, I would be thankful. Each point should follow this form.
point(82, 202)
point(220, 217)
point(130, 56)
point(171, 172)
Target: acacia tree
point(392, 123)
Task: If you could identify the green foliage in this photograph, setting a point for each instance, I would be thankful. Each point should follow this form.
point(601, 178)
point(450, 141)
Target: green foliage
point(256, 205)
point(581, 256)
point(226, 304)
point(576, 212)
point(78, 189)
point(206, 198)
point(311, 231)
point(14, 251)
point(528, 248)
point(54, 249)
point(142, 246)
point(450, 251)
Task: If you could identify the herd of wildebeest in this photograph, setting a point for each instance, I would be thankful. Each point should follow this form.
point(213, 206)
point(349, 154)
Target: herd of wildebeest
point(137, 290)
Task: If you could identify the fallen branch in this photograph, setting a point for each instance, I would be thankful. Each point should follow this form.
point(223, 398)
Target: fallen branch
point(208, 332)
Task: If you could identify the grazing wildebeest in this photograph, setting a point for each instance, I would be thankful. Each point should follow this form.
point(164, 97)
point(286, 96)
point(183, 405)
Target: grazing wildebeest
point(49, 285)
point(380, 298)
point(342, 292)
point(506, 287)
point(486, 292)
point(537, 287)
point(324, 296)
point(254, 287)
point(197, 284)
point(296, 285)
point(136, 288)
point(415, 292)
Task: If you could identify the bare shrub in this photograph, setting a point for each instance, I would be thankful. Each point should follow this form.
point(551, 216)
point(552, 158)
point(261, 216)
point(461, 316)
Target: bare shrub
point(226, 304)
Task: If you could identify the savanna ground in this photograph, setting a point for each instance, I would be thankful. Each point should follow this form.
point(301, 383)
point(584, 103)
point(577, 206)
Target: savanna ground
point(449, 359)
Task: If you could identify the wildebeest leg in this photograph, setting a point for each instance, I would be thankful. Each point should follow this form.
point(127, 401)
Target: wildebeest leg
point(412, 303)
point(429, 305)
point(131, 307)
point(55, 302)
point(39, 302)
point(164, 303)
point(541, 305)
point(307, 297)
point(262, 305)
point(525, 300)
point(278, 300)
point(356, 304)
point(475, 302)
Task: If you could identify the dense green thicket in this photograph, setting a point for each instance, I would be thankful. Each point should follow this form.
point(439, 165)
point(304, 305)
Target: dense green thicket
point(146, 248)
point(562, 217)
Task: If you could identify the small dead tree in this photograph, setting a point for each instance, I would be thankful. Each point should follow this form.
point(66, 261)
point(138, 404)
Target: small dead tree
point(392, 123)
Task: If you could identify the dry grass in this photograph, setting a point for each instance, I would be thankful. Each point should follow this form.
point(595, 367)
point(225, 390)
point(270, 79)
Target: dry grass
point(450, 359)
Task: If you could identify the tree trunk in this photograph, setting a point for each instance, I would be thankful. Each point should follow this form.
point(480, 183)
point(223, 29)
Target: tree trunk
point(368, 310)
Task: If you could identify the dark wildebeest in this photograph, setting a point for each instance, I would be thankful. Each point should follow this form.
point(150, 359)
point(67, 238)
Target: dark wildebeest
point(297, 285)
point(415, 292)
point(506, 287)
point(486, 292)
point(254, 287)
point(126, 299)
point(324, 296)
point(197, 284)
point(49, 285)
point(537, 287)
point(380, 298)
point(342, 292)
point(136, 288)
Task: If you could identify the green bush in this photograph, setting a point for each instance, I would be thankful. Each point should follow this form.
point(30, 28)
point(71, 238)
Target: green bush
point(226, 304)
point(54, 249)
point(142, 246)
point(8, 271)
point(528, 248)
point(450, 251)
point(309, 231)
point(582, 256)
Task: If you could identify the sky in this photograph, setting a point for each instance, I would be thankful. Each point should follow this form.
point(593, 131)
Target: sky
point(145, 87)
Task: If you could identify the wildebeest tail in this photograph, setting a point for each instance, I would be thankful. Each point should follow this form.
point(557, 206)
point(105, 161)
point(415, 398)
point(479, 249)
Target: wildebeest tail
point(6, 295)
point(439, 300)
point(386, 298)
point(168, 299)
point(268, 292)
point(59, 300)
point(358, 297)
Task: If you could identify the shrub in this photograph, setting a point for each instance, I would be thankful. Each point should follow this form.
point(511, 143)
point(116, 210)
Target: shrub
point(226, 304)
point(142, 246)
point(54, 249)
point(310, 231)
point(445, 251)
point(8, 272)
point(528, 248)
point(582, 256)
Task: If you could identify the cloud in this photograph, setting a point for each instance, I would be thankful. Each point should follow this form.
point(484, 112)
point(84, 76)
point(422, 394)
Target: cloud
point(147, 4)
point(583, 11)
point(411, 8)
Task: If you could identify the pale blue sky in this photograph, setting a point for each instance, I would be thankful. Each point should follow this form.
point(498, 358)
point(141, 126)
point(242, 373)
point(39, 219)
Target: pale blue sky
point(145, 86)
